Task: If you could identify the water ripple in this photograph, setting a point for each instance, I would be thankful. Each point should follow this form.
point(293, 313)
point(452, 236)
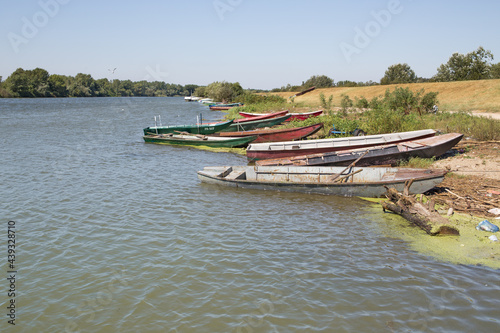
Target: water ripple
point(118, 235)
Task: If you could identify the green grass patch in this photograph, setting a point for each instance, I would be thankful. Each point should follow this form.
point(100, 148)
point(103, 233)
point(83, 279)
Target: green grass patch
point(418, 162)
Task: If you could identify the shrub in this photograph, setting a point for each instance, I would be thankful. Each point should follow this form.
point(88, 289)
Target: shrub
point(345, 103)
point(361, 102)
point(327, 105)
point(428, 101)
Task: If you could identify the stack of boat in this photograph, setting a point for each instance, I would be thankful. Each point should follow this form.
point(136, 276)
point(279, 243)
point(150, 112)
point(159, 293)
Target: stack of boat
point(349, 166)
point(340, 166)
point(232, 133)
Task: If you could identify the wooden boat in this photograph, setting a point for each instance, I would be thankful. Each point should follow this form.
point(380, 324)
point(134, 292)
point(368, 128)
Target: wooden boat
point(355, 181)
point(254, 124)
point(199, 140)
point(208, 128)
point(224, 106)
point(276, 134)
point(303, 92)
point(305, 115)
point(260, 117)
point(379, 155)
point(295, 116)
point(261, 151)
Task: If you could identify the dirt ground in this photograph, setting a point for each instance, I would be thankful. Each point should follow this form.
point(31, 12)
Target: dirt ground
point(473, 184)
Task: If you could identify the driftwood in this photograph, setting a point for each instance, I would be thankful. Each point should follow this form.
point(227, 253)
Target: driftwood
point(424, 216)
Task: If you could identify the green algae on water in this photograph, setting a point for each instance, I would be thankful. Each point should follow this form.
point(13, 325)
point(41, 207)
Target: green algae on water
point(471, 247)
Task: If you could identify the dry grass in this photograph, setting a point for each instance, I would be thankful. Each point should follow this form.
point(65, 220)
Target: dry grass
point(482, 96)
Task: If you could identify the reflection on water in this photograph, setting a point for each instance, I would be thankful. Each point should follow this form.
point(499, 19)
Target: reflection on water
point(118, 235)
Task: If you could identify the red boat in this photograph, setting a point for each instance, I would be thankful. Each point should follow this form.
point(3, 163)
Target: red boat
point(295, 116)
point(261, 116)
point(276, 134)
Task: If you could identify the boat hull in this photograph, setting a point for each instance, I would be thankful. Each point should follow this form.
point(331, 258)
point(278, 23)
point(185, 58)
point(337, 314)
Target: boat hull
point(216, 107)
point(276, 135)
point(251, 125)
point(260, 117)
point(369, 182)
point(261, 151)
point(203, 129)
point(190, 140)
point(294, 116)
point(379, 155)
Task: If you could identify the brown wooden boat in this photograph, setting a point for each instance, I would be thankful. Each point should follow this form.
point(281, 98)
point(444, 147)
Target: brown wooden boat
point(378, 155)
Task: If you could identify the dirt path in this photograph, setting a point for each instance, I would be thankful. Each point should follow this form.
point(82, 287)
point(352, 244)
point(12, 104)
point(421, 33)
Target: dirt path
point(492, 115)
point(473, 185)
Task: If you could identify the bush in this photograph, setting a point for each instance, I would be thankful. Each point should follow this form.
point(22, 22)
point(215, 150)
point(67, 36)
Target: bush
point(327, 105)
point(345, 103)
point(361, 103)
point(375, 103)
point(428, 101)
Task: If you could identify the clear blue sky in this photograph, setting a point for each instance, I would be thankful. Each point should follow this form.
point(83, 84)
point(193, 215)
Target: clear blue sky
point(260, 43)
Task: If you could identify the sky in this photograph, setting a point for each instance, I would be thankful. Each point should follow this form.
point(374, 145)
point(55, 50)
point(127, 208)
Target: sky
point(262, 44)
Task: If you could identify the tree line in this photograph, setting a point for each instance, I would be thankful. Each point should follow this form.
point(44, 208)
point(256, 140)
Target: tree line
point(38, 83)
point(476, 65)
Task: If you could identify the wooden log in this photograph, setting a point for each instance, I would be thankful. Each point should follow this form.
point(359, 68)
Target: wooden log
point(416, 212)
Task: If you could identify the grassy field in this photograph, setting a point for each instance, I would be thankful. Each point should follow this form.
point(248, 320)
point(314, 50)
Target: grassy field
point(478, 96)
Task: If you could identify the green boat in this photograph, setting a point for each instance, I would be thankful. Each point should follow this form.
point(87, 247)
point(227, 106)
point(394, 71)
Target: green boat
point(251, 125)
point(207, 128)
point(199, 140)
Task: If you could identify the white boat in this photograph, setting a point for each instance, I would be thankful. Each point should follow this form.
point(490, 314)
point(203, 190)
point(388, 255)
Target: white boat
point(351, 181)
point(191, 98)
point(259, 151)
point(207, 101)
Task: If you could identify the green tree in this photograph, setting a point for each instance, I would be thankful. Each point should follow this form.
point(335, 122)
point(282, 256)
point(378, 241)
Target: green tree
point(29, 83)
point(495, 71)
point(223, 91)
point(83, 85)
point(475, 65)
point(126, 87)
point(237, 90)
point(346, 83)
point(399, 73)
point(200, 92)
point(39, 82)
point(480, 64)
point(103, 87)
point(57, 84)
point(318, 81)
point(18, 83)
point(190, 88)
point(3, 92)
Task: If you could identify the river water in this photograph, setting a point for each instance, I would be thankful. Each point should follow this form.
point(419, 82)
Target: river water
point(115, 235)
